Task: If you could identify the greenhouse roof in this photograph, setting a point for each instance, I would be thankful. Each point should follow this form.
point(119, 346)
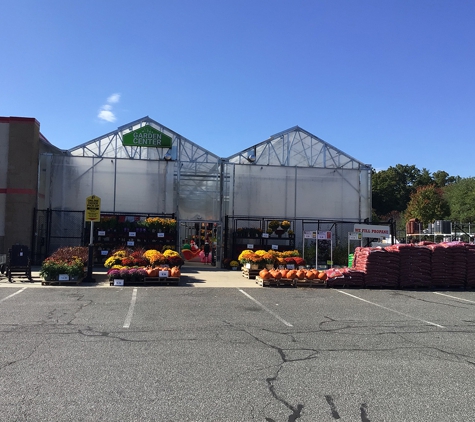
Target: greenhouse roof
point(294, 147)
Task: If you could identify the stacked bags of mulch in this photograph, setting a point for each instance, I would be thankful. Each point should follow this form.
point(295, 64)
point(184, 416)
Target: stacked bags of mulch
point(449, 264)
point(379, 265)
point(414, 265)
point(470, 279)
point(345, 277)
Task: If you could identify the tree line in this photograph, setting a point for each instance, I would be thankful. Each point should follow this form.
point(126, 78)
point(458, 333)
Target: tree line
point(404, 192)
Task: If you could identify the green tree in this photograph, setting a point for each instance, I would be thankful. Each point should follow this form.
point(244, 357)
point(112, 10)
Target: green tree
point(424, 178)
point(442, 178)
point(427, 204)
point(461, 198)
point(392, 188)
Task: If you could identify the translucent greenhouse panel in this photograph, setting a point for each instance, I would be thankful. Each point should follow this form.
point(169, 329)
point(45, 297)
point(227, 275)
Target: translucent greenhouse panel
point(366, 205)
point(44, 181)
point(103, 182)
point(264, 191)
point(328, 194)
point(71, 182)
point(144, 186)
point(198, 194)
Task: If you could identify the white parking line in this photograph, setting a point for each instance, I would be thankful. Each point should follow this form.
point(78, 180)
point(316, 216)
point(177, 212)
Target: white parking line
point(454, 297)
point(13, 294)
point(266, 309)
point(128, 318)
point(391, 310)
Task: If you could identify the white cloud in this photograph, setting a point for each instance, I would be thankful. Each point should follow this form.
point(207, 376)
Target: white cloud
point(105, 112)
point(107, 115)
point(114, 98)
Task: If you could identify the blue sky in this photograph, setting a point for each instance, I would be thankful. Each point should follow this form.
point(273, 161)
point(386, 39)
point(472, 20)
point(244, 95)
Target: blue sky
point(387, 82)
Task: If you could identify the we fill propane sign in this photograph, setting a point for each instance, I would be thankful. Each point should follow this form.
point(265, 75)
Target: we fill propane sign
point(93, 208)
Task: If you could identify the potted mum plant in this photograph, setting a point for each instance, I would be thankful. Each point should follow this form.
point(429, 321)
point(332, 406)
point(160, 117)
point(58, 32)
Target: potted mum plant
point(273, 225)
point(269, 260)
point(285, 225)
point(234, 265)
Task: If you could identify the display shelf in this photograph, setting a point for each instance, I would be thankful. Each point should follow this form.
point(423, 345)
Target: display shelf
point(107, 241)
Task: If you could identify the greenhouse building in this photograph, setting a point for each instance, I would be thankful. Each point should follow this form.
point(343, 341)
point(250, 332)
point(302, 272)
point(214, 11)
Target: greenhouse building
point(275, 194)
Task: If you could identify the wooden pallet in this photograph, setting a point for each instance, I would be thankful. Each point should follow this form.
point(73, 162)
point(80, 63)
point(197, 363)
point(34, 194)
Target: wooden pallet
point(295, 282)
point(154, 280)
point(59, 283)
point(275, 282)
point(251, 274)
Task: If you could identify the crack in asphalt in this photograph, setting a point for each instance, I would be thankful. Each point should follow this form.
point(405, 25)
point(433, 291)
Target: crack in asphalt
point(332, 405)
point(296, 410)
point(450, 305)
point(456, 357)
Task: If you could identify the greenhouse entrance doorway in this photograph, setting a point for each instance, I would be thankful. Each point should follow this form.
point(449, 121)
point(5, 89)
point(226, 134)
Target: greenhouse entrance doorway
point(193, 237)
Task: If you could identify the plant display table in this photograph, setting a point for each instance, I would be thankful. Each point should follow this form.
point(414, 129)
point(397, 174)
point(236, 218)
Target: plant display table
point(61, 280)
point(293, 282)
point(147, 280)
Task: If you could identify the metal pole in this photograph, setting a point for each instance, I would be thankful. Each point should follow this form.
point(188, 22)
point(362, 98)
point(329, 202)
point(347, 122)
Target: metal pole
point(90, 257)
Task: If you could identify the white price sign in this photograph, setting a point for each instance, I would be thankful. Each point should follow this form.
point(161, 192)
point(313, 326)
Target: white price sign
point(160, 234)
point(118, 282)
point(130, 243)
point(354, 236)
point(63, 277)
point(104, 252)
point(132, 234)
point(275, 247)
point(324, 235)
point(308, 235)
point(250, 246)
point(265, 235)
point(101, 233)
point(163, 274)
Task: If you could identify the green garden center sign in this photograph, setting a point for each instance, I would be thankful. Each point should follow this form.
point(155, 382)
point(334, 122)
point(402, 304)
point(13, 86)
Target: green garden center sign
point(147, 136)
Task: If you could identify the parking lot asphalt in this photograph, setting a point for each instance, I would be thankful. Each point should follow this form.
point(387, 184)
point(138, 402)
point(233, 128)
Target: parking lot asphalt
point(76, 353)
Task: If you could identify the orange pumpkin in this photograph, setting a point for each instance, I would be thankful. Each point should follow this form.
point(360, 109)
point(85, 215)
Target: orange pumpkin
point(301, 274)
point(276, 274)
point(175, 272)
point(309, 275)
point(291, 274)
point(152, 272)
point(283, 273)
point(265, 274)
point(322, 275)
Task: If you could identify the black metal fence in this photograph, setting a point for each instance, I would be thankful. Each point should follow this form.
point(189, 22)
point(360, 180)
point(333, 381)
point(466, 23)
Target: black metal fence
point(54, 229)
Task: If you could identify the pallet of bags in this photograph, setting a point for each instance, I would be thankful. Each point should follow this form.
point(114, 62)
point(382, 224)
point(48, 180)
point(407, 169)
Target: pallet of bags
point(345, 277)
point(414, 265)
point(470, 278)
point(449, 265)
point(379, 265)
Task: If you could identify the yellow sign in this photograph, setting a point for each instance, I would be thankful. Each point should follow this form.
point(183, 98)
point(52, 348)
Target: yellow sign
point(93, 208)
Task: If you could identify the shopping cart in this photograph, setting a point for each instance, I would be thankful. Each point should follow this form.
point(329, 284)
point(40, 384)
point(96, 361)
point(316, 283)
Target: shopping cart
point(3, 263)
point(18, 263)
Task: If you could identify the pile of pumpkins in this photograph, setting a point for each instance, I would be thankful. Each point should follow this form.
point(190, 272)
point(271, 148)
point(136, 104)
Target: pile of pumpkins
point(154, 272)
point(302, 274)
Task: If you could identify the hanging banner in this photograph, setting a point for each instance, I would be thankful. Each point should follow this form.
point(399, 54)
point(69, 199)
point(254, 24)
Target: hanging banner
point(368, 230)
point(147, 136)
